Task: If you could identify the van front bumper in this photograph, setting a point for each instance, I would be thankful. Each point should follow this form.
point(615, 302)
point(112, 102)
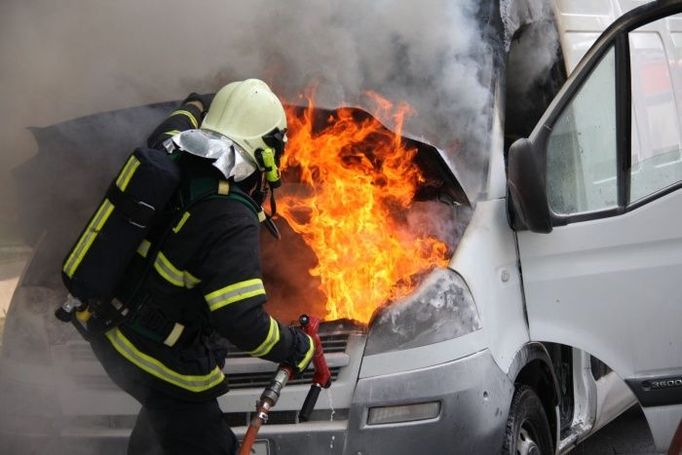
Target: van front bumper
point(473, 395)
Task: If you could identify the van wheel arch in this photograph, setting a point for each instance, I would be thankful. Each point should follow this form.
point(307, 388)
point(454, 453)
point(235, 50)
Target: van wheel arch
point(532, 367)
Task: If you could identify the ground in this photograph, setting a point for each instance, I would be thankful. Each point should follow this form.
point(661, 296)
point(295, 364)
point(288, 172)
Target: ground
point(12, 261)
point(628, 434)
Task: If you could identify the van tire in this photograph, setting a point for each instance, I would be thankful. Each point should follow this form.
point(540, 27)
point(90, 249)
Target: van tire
point(527, 431)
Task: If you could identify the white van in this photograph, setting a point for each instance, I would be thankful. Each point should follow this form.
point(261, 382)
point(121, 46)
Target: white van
point(558, 311)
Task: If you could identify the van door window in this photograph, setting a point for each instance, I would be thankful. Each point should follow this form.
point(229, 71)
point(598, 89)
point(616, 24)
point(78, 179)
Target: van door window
point(656, 93)
point(581, 152)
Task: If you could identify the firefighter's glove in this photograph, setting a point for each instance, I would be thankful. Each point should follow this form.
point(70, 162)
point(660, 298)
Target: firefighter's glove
point(302, 350)
point(204, 99)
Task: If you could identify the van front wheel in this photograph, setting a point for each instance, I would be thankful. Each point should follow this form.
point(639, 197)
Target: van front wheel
point(527, 431)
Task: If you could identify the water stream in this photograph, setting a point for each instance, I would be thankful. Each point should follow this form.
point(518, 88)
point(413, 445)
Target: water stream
point(331, 415)
point(331, 404)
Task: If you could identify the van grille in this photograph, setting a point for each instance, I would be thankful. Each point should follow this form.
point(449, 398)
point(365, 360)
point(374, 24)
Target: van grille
point(261, 380)
point(241, 419)
point(332, 343)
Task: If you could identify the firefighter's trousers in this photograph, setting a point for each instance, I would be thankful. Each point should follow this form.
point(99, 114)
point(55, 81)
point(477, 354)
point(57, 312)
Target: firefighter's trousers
point(168, 426)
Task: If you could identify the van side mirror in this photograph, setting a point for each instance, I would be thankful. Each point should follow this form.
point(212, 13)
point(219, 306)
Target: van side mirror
point(527, 185)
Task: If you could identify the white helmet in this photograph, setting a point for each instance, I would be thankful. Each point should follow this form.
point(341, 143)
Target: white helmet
point(251, 115)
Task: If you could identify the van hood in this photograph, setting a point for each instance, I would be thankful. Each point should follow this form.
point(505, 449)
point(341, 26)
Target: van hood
point(77, 158)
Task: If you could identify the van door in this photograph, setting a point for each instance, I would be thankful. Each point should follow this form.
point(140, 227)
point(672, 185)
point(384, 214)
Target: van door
point(603, 271)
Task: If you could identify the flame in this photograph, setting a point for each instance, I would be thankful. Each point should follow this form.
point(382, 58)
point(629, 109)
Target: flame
point(357, 181)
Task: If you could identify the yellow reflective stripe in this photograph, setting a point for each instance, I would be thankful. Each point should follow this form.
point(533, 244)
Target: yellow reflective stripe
point(190, 280)
point(270, 341)
point(261, 216)
point(172, 132)
point(143, 249)
point(170, 273)
point(234, 293)
point(127, 173)
point(85, 242)
point(308, 355)
point(167, 271)
point(181, 223)
point(174, 336)
point(193, 383)
point(223, 187)
point(187, 114)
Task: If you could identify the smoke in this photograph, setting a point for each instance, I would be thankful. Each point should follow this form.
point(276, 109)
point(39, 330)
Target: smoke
point(533, 44)
point(80, 57)
point(448, 228)
point(430, 54)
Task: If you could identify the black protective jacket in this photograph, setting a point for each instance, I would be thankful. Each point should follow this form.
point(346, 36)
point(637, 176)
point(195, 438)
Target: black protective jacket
point(198, 280)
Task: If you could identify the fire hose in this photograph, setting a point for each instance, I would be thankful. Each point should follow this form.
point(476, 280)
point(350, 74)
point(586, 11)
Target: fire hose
point(322, 379)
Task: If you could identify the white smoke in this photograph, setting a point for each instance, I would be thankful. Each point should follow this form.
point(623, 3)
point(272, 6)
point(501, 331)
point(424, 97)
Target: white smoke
point(79, 57)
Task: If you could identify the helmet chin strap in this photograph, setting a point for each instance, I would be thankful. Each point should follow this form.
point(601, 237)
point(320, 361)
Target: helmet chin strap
point(273, 203)
point(272, 227)
point(262, 191)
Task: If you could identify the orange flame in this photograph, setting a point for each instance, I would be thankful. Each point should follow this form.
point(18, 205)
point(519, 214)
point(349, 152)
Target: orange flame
point(358, 181)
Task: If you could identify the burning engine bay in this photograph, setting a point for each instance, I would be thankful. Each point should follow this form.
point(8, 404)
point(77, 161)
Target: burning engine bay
point(361, 212)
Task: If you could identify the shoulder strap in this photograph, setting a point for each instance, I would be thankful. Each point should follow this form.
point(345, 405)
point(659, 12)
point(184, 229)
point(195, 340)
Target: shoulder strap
point(197, 187)
point(206, 188)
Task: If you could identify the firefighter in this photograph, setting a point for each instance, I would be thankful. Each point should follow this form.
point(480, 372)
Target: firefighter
point(204, 281)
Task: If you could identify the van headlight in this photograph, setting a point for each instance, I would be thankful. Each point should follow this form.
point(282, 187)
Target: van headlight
point(440, 309)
